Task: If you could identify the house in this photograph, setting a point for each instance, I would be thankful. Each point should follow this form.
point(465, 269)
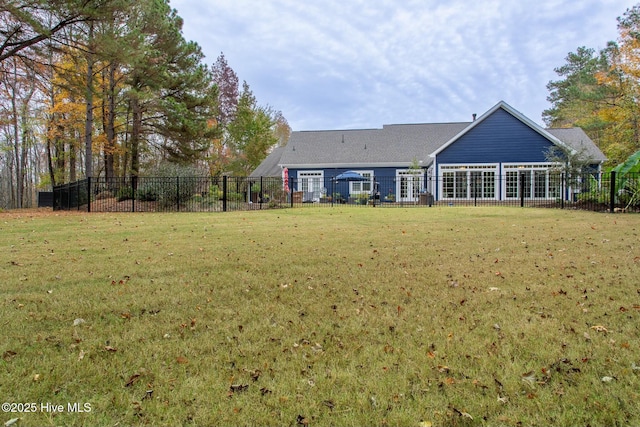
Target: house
point(500, 155)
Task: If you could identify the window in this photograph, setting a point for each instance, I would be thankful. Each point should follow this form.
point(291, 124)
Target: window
point(489, 184)
point(447, 185)
point(469, 181)
point(511, 184)
point(359, 187)
point(536, 181)
point(540, 184)
point(461, 185)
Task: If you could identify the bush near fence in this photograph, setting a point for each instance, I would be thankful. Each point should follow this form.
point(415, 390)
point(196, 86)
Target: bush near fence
point(597, 192)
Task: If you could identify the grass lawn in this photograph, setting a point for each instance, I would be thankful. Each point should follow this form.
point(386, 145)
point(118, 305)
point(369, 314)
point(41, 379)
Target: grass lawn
point(334, 316)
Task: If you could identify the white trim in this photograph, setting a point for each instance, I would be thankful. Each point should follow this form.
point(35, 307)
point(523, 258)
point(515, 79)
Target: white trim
point(528, 168)
point(308, 180)
point(349, 165)
point(370, 182)
point(468, 169)
point(414, 188)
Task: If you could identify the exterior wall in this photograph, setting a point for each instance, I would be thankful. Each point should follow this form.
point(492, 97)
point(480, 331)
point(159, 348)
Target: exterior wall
point(500, 138)
point(390, 182)
point(482, 162)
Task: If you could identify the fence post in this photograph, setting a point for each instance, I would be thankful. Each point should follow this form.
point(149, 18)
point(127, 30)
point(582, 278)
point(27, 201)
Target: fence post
point(612, 194)
point(562, 190)
point(178, 193)
point(134, 187)
point(88, 194)
point(521, 190)
point(291, 190)
point(224, 193)
point(261, 190)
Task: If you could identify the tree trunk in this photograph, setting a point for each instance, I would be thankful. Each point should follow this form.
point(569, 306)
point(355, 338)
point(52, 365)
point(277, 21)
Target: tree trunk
point(109, 124)
point(136, 130)
point(88, 130)
point(17, 202)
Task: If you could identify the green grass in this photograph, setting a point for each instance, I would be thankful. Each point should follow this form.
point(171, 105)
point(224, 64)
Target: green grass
point(343, 316)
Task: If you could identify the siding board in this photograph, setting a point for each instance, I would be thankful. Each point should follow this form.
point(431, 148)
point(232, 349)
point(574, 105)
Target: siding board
point(499, 138)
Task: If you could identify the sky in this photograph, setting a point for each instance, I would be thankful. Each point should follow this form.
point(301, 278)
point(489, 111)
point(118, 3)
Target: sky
point(359, 64)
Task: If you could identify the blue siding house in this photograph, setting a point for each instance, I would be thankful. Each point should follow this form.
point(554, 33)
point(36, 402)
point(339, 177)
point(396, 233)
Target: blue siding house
point(494, 157)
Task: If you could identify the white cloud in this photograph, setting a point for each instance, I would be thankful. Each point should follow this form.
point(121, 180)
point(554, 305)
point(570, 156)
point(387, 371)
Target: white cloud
point(358, 63)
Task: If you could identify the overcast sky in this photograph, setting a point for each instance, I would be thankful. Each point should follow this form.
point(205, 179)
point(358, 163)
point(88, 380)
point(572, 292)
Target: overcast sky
point(348, 64)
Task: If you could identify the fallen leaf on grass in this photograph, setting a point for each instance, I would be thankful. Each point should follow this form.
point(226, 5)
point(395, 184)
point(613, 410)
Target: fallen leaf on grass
point(134, 378)
point(11, 422)
point(599, 328)
point(182, 360)
point(461, 413)
point(7, 355)
point(110, 349)
point(238, 388)
point(607, 379)
point(78, 322)
point(425, 424)
point(529, 378)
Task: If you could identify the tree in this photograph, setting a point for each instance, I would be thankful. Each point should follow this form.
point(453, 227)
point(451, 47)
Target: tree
point(228, 93)
point(25, 24)
point(171, 94)
point(600, 91)
point(109, 87)
point(251, 133)
point(578, 95)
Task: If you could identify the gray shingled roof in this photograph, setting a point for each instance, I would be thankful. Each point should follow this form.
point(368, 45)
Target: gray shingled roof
point(271, 165)
point(579, 141)
point(393, 145)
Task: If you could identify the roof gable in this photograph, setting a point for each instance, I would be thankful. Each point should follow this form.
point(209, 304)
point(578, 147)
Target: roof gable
point(513, 112)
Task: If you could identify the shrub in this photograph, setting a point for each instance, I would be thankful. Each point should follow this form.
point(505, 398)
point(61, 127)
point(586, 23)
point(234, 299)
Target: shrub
point(124, 193)
point(232, 196)
point(172, 184)
point(147, 193)
point(215, 193)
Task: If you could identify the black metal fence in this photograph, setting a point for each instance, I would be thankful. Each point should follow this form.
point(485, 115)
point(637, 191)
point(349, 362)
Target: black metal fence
point(167, 194)
point(604, 192)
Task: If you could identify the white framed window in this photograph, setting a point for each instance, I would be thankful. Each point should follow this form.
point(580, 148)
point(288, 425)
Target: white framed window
point(469, 181)
point(362, 187)
point(531, 181)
